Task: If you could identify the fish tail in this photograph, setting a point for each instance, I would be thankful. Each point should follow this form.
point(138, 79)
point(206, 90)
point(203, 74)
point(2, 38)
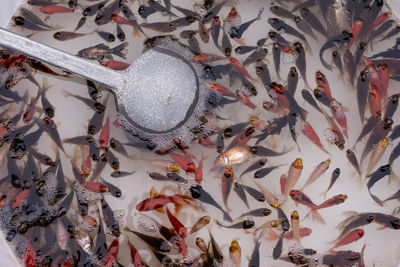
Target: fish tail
point(393, 177)
point(260, 11)
point(136, 32)
point(377, 200)
point(118, 50)
point(66, 93)
point(324, 193)
point(315, 216)
point(271, 235)
point(227, 216)
point(193, 206)
point(45, 85)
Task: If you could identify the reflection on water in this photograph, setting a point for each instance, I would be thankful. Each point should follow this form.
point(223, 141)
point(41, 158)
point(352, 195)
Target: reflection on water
point(285, 177)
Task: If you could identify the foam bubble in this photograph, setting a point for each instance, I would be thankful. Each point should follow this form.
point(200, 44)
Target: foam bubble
point(164, 140)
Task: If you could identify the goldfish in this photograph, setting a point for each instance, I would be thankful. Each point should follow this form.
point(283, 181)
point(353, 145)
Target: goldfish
point(352, 236)
point(338, 114)
point(50, 10)
point(202, 222)
point(295, 225)
point(183, 162)
point(115, 65)
point(179, 227)
point(303, 232)
point(239, 68)
point(334, 177)
point(235, 253)
point(236, 155)
point(317, 172)
point(206, 58)
point(300, 197)
point(293, 175)
point(268, 195)
point(377, 153)
point(219, 88)
point(199, 171)
point(31, 108)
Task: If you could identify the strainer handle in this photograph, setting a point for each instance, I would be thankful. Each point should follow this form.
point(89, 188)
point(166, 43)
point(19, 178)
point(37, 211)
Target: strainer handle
point(57, 58)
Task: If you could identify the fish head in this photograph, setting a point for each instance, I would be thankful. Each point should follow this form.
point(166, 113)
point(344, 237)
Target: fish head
point(266, 212)
point(295, 215)
point(370, 218)
point(57, 35)
point(228, 172)
point(384, 141)
point(394, 99)
point(174, 167)
point(83, 53)
point(293, 194)
point(273, 21)
point(297, 19)
point(342, 198)
point(360, 232)
point(298, 163)
point(216, 20)
point(221, 161)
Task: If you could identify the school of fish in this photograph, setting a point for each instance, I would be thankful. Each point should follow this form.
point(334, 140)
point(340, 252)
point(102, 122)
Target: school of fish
point(248, 177)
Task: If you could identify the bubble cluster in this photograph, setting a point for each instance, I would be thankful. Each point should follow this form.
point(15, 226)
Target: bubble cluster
point(85, 195)
point(184, 130)
point(147, 223)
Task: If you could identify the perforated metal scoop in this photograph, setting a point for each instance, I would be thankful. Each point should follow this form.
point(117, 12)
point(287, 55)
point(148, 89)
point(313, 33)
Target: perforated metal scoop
point(156, 94)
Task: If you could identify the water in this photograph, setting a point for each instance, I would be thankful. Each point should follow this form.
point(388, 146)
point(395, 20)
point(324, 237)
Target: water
point(71, 118)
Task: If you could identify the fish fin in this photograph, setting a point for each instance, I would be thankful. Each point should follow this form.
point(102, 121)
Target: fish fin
point(316, 216)
point(381, 228)
point(350, 213)
point(102, 46)
point(162, 191)
point(377, 200)
point(178, 208)
point(240, 41)
point(66, 93)
point(219, 223)
point(393, 177)
point(118, 50)
point(324, 194)
point(45, 85)
point(153, 192)
point(271, 235)
point(136, 32)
